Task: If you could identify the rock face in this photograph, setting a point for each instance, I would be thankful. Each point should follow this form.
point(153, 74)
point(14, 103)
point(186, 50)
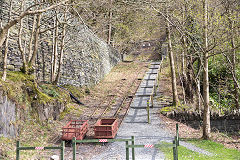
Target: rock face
point(48, 111)
point(7, 117)
point(10, 113)
point(89, 60)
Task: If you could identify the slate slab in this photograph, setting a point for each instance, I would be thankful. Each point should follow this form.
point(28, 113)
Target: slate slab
point(155, 63)
point(153, 71)
point(144, 92)
point(150, 77)
point(140, 102)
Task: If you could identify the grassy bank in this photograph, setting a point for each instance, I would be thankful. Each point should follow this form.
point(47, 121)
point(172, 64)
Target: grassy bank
point(218, 151)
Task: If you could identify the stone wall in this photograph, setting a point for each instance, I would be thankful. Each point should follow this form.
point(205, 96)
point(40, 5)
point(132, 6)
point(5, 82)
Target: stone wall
point(87, 58)
point(230, 122)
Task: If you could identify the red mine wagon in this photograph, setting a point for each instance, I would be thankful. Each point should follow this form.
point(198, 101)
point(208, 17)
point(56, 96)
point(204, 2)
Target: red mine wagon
point(75, 128)
point(106, 128)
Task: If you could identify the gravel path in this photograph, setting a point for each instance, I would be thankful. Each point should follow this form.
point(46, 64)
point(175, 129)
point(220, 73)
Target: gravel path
point(135, 124)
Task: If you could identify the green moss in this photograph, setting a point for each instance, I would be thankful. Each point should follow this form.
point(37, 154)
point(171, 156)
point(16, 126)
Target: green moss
point(129, 57)
point(19, 76)
point(78, 92)
point(179, 108)
point(167, 109)
point(50, 90)
point(72, 109)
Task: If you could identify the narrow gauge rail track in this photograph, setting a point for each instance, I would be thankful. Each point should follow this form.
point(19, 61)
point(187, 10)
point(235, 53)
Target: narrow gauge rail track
point(124, 106)
point(108, 109)
point(119, 111)
point(114, 109)
point(103, 107)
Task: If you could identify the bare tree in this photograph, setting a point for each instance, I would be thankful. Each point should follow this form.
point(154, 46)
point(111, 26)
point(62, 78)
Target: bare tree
point(172, 66)
point(36, 38)
point(110, 22)
point(233, 62)
point(6, 45)
point(206, 113)
point(4, 29)
point(55, 50)
point(4, 32)
point(30, 50)
point(62, 46)
point(21, 49)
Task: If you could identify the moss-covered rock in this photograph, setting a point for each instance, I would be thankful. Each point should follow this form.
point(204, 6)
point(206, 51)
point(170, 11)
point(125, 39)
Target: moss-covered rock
point(41, 102)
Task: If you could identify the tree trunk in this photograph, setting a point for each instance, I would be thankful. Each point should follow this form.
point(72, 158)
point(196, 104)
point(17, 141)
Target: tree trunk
point(184, 77)
point(53, 52)
point(21, 49)
point(36, 37)
point(31, 38)
point(198, 94)
point(55, 49)
point(233, 58)
point(110, 22)
point(5, 58)
point(6, 47)
point(206, 113)
point(173, 74)
point(61, 52)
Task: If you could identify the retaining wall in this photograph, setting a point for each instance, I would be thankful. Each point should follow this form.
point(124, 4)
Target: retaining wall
point(230, 122)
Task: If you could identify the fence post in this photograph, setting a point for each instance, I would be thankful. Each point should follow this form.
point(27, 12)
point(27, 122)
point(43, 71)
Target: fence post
point(17, 151)
point(74, 147)
point(152, 100)
point(177, 134)
point(127, 151)
point(133, 150)
point(174, 150)
point(155, 89)
point(148, 114)
point(62, 150)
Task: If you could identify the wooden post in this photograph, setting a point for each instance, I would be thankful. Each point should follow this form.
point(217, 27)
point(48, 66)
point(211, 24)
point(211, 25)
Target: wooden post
point(155, 89)
point(152, 100)
point(127, 151)
point(148, 114)
point(174, 150)
point(74, 147)
point(133, 150)
point(177, 135)
point(62, 150)
point(18, 151)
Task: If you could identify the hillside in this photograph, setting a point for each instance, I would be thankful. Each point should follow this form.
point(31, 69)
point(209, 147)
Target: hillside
point(78, 59)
